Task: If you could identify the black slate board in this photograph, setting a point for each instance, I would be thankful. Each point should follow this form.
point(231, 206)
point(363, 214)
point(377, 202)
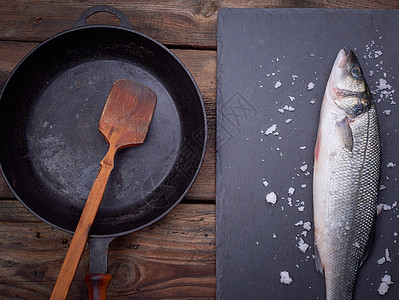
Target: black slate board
point(257, 50)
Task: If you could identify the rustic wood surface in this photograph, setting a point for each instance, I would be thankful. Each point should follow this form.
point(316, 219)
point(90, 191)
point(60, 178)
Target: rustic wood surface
point(175, 257)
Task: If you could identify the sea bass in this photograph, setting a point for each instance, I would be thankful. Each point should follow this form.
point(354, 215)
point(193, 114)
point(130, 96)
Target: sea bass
point(346, 176)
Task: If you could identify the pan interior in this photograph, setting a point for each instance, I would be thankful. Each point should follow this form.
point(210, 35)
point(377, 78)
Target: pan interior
point(50, 111)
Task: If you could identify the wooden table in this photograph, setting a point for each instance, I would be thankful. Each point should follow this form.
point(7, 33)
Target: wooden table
point(175, 257)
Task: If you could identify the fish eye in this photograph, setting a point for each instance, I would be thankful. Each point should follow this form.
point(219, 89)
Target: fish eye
point(356, 71)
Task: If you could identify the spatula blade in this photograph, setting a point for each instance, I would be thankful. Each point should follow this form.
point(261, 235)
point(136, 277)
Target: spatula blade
point(127, 113)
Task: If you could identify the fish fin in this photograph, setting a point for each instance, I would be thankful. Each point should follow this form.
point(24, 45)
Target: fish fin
point(319, 266)
point(345, 133)
point(369, 244)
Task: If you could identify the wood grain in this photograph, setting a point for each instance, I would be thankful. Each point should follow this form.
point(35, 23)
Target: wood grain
point(172, 259)
point(201, 64)
point(187, 23)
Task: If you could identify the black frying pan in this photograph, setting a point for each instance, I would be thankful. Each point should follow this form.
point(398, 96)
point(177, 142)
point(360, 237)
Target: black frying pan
point(50, 146)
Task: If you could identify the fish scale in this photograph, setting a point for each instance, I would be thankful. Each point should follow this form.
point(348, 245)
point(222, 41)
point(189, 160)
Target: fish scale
point(346, 175)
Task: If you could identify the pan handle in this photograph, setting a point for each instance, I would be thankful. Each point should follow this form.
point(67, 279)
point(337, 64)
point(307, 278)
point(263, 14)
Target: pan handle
point(98, 280)
point(103, 8)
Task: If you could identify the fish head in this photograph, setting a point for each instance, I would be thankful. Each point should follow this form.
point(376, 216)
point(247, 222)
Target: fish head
point(347, 86)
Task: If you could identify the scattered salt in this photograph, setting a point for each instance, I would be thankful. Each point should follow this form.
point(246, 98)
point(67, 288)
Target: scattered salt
point(265, 182)
point(377, 53)
point(302, 245)
point(307, 225)
point(301, 208)
point(278, 84)
point(303, 168)
point(271, 198)
point(387, 258)
point(387, 112)
point(303, 185)
point(288, 121)
point(381, 260)
point(271, 129)
point(299, 223)
point(310, 86)
point(302, 147)
point(291, 98)
point(289, 108)
point(285, 277)
point(291, 191)
point(384, 286)
point(274, 236)
point(280, 110)
point(383, 84)
point(391, 165)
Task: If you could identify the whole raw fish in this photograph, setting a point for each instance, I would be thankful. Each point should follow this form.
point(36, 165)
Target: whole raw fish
point(346, 176)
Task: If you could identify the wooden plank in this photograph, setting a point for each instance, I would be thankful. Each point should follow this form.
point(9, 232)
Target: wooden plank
point(201, 64)
point(172, 259)
point(181, 23)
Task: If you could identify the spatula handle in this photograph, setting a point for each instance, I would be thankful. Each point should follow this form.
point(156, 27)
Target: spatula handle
point(81, 235)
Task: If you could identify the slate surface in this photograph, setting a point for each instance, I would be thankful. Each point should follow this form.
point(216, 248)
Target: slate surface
point(268, 61)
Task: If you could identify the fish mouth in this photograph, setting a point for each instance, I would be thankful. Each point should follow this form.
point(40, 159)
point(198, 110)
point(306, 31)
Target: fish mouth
point(345, 57)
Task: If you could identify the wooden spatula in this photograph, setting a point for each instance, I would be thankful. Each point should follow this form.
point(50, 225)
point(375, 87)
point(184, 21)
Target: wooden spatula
point(124, 122)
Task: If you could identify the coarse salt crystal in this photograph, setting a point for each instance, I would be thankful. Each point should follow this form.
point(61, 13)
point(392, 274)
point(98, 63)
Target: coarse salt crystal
point(302, 147)
point(301, 208)
point(302, 245)
point(285, 277)
point(271, 198)
point(381, 260)
point(387, 258)
point(289, 108)
point(384, 286)
point(303, 185)
point(291, 191)
point(387, 279)
point(299, 223)
point(271, 129)
point(387, 112)
point(307, 225)
point(265, 183)
point(288, 121)
point(310, 86)
point(383, 84)
point(291, 98)
point(391, 165)
point(303, 168)
point(278, 84)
